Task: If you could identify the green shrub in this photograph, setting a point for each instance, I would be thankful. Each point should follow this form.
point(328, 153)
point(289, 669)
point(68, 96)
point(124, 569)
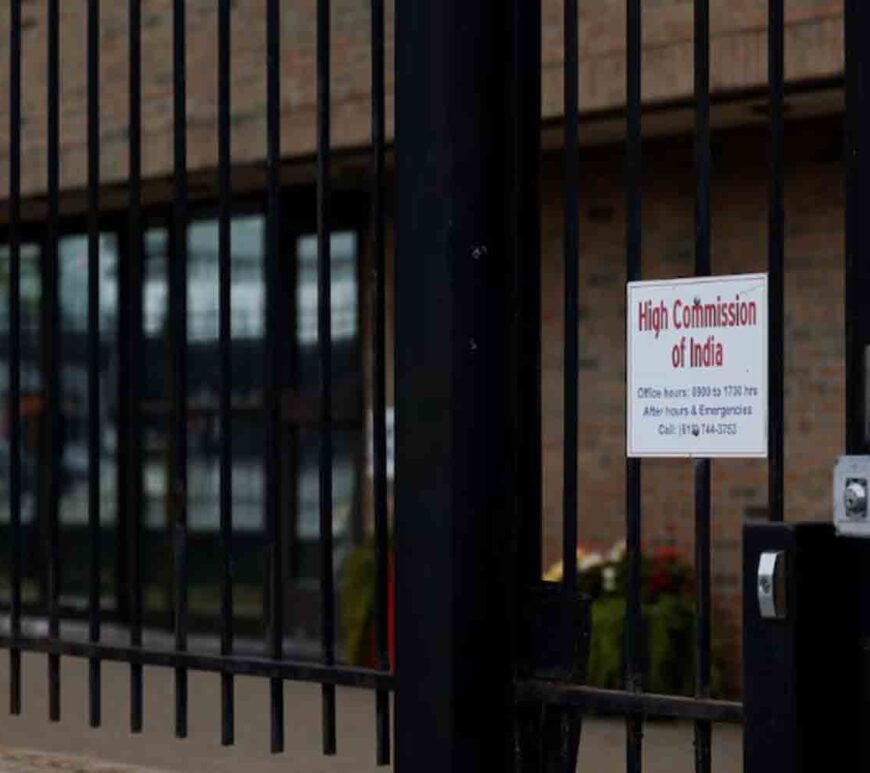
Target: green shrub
point(668, 628)
point(668, 634)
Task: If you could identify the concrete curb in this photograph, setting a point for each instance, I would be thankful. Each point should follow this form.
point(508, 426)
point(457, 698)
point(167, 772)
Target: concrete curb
point(27, 761)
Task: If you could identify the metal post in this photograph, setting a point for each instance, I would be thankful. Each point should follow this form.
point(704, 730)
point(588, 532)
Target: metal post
point(524, 248)
point(799, 653)
point(857, 29)
point(453, 498)
point(857, 20)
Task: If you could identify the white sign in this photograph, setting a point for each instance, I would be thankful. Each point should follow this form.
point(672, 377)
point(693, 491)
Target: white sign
point(697, 367)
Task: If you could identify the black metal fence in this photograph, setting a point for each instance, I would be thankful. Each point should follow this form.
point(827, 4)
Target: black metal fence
point(273, 664)
point(468, 384)
point(633, 702)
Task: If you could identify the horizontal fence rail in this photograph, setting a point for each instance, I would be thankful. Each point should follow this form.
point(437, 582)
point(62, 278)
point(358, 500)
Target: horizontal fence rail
point(639, 706)
point(138, 422)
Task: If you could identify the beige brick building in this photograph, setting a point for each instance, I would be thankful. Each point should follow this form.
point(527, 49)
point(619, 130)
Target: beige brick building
point(814, 209)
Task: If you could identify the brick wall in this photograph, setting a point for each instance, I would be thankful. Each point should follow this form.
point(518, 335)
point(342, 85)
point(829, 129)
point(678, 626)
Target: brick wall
point(813, 45)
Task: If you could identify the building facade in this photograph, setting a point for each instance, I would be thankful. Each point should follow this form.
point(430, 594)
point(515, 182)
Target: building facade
point(814, 267)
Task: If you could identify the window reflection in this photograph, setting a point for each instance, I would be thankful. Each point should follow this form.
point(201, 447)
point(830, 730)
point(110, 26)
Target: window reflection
point(343, 289)
point(31, 381)
point(345, 372)
point(300, 433)
point(75, 411)
point(30, 407)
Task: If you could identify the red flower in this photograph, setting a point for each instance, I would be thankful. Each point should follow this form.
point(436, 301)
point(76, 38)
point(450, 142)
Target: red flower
point(660, 581)
point(667, 555)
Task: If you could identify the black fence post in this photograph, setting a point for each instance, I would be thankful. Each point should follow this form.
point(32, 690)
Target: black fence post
point(857, 33)
point(800, 648)
point(453, 490)
point(857, 287)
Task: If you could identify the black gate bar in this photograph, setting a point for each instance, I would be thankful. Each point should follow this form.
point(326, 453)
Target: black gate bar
point(857, 311)
point(379, 387)
point(94, 412)
point(271, 400)
point(776, 259)
point(130, 347)
point(51, 352)
point(225, 357)
point(572, 311)
point(324, 343)
point(178, 360)
point(15, 346)
point(282, 670)
point(637, 706)
point(703, 163)
point(634, 257)
point(857, 22)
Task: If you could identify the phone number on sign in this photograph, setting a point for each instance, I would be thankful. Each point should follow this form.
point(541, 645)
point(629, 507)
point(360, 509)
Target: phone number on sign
point(706, 428)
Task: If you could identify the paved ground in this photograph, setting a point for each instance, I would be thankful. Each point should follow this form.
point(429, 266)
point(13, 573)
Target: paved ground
point(72, 746)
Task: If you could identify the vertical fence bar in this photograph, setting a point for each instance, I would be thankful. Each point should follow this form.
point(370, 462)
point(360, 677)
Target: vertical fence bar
point(178, 328)
point(452, 330)
point(525, 236)
point(324, 340)
point(94, 412)
point(272, 413)
point(225, 332)
point(379, 402)
point(15, 345)
point(123, 384)
point(702, 466)
point(572, 314)
point(522, 562)
point(857, 264)
point(571, 259)
point(634, 250)
point(131, 354)
point(51, 449)
point(776, 259)
point(857, 310)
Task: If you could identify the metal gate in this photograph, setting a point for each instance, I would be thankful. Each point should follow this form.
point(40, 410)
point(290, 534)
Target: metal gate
point(469, 413)
point(489, 671)
point(43, 221)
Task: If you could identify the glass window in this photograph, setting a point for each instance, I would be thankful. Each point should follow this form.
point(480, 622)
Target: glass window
point(346, 372)
point(300, 435)
point(344, 308)
point(30, 411)
point(73, 295)
point(343, 287)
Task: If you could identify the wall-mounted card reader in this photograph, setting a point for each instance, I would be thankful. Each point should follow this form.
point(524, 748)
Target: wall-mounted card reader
point(772, 585)
point(851, 482)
